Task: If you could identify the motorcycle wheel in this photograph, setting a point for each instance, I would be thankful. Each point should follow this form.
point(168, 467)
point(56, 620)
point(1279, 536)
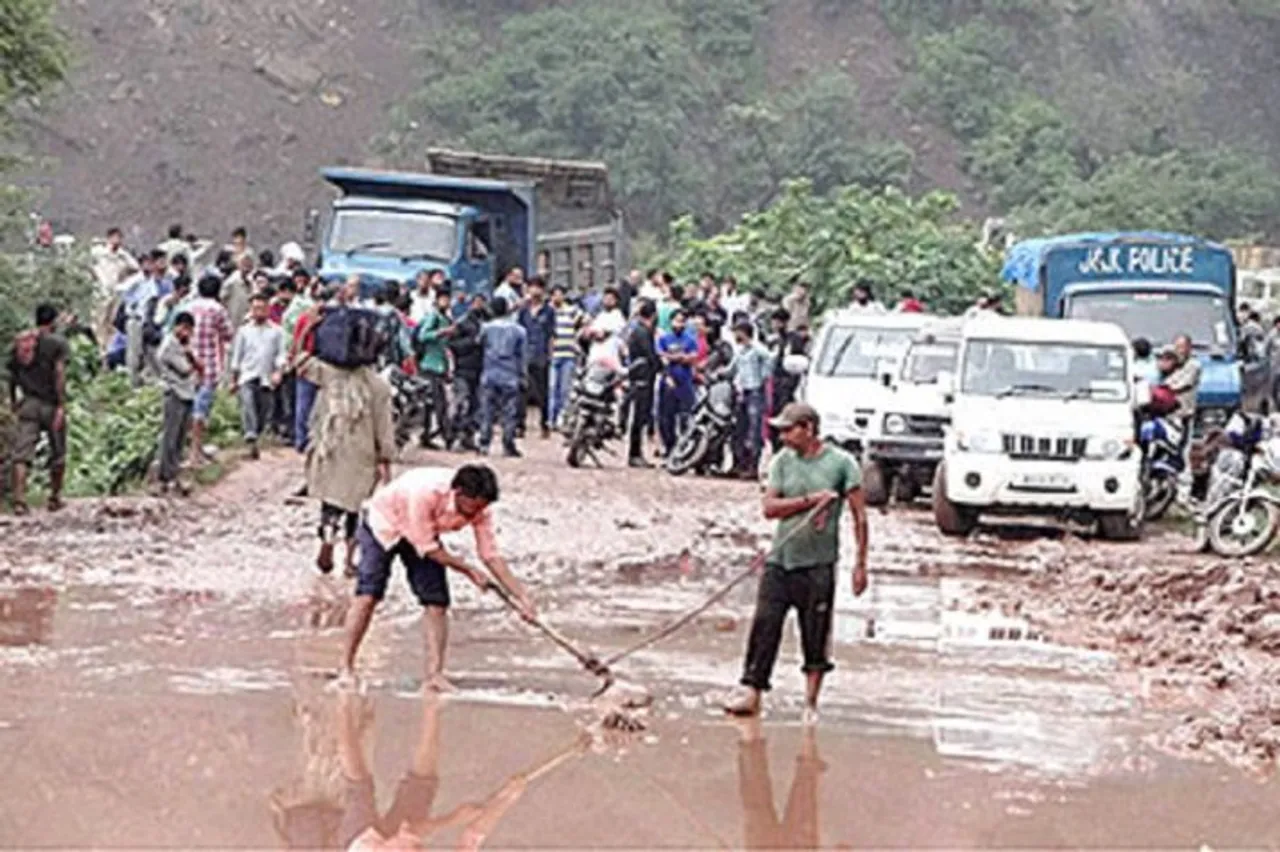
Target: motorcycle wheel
point(576, 443)
point(1243, 527)
point(1161, 493)
point(688, 451)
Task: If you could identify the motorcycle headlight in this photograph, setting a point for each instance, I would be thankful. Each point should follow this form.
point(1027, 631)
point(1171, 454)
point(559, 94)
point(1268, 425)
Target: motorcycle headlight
point(1103, 447)
point(981, 441)
point(895, 424)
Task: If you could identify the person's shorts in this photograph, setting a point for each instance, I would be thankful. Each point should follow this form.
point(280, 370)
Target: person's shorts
point(413, 801)
point(35, 418)
point(427, 578)
point(204, 402)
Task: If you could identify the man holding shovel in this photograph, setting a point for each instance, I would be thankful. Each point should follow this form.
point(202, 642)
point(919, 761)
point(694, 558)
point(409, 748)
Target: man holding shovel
point(808, 482)
point(405, 520)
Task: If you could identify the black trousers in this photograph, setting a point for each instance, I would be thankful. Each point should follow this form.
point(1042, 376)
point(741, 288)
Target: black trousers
point(437, 403)
point(812, 592)
point(535, 393)
point(640, 403)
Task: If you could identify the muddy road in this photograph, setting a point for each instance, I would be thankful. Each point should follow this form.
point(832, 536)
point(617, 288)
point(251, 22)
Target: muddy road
point(163, 672)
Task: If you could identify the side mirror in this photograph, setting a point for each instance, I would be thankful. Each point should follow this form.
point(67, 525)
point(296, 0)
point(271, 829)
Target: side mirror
point(886, 379)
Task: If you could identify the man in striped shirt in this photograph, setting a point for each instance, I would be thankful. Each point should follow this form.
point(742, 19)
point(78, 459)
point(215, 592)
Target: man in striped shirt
point(564, 351)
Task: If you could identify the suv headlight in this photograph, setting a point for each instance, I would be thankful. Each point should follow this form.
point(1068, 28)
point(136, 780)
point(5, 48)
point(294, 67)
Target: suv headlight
point(1102, 447)
point(895, 424)
point(981, 441)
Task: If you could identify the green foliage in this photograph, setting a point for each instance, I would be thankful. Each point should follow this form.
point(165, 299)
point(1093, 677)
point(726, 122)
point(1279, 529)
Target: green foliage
point(964, 77)
point(1217, 193)
point(113, 430)
point(33, 53)
point(883, 237)
point(28, 278)
point(673, 98)
point(1026, 157)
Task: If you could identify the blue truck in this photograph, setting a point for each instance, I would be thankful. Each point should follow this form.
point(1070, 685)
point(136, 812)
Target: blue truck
point(473, 217)
point(1154, 286)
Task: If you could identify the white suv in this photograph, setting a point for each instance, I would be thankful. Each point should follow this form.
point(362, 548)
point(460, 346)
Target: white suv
point(851, 353)
point(1042, 423)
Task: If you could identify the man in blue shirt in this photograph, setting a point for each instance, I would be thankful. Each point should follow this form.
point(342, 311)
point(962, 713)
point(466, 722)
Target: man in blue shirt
point(505, 363)
point(678, 350)
point(538, 319)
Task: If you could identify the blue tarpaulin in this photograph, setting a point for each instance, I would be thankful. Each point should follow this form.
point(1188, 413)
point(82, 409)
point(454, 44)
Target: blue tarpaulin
point(1023, 260)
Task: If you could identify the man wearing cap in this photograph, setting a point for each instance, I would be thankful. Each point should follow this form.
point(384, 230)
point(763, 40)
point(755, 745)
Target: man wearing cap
point(808, 482)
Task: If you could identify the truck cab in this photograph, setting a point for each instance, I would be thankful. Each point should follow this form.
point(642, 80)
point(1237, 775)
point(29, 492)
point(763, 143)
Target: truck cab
point(389, 226)
point(1154, 286)
point(844, 382)
point(905, 442)
point(1042, 424)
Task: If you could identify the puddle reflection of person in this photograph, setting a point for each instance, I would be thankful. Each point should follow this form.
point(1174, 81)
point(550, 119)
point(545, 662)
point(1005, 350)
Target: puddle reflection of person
point(761, 828)
point(356, 825)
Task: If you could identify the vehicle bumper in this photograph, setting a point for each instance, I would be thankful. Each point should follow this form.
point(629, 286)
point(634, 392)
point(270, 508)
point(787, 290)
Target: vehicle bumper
point(906, 450)
point(988, 480)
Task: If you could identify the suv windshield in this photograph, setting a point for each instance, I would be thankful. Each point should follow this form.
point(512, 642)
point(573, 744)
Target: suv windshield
point(926, 360)
point(1159, 317)
point(1003, 368)
point(394, 233)
point(859, 350)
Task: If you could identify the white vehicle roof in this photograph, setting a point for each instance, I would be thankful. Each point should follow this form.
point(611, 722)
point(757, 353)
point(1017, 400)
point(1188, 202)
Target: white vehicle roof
point(844, 318)
point(1038, 330)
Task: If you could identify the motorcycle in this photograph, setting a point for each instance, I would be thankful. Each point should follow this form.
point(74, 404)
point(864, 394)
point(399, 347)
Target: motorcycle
point(590, 419)
point(702, 444)
point(1241, 515)
point(1162, 464)
point(410, 402)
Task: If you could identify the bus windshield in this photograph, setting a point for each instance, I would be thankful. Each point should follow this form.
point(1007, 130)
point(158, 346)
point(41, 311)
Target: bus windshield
point(1159, 317)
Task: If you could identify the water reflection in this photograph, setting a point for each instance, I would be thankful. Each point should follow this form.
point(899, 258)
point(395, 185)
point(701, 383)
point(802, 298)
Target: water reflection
point(761, 827)
point(26, 615)
point(332, 804)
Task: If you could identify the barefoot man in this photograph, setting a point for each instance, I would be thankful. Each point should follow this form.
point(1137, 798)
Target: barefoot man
point(800, 571)
point(405, 520)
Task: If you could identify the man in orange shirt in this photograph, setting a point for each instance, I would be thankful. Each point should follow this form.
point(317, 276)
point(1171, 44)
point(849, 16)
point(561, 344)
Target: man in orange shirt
point(405, 520)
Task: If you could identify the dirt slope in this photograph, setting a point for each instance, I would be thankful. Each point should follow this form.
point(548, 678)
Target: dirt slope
point(215, 112)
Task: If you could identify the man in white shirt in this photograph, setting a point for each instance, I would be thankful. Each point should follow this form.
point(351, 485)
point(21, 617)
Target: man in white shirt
point(257, 365)
point(605, 331)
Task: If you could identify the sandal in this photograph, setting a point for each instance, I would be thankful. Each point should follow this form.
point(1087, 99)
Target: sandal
point(21, 509)
point(55, 504)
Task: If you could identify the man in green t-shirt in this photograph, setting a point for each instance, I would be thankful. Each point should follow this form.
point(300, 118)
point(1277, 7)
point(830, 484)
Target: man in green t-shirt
point(809, 481)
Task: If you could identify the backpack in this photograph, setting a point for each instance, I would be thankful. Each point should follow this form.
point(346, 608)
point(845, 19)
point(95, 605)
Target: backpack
point(347, 337)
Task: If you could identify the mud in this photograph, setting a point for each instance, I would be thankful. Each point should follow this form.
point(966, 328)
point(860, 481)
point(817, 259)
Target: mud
point(1203, 634)
point(164, 670)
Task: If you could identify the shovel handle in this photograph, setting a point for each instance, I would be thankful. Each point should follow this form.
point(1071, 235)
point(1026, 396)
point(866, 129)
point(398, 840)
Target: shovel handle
point(588, 662)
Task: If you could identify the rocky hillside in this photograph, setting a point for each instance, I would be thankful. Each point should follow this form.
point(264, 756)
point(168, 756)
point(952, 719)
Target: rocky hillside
point(219, 112)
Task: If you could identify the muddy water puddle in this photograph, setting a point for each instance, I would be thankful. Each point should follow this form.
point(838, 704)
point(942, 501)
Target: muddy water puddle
point(179, 697)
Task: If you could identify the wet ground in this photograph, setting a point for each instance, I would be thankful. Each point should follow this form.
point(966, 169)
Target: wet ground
point(163, 683)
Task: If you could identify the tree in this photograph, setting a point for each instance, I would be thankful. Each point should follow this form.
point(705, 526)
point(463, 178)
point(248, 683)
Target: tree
point(884, 238)
point(671, 94)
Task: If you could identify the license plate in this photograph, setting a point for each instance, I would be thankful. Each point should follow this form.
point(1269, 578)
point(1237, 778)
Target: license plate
point(1044, 481)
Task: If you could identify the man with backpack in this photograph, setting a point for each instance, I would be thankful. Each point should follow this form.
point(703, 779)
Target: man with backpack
point(38, 396)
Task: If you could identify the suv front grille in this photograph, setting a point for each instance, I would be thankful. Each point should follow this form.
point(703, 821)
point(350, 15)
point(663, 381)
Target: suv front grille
point(1043, 447)
point(925, 426)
